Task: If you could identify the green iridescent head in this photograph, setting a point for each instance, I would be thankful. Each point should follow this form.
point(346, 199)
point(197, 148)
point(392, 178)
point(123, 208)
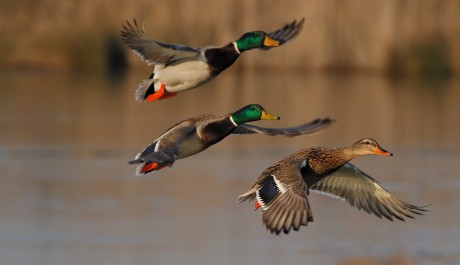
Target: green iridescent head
point(252, 112)
point(255, 39)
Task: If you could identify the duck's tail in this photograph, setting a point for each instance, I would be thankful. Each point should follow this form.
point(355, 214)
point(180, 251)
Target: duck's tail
point(144, 89)
point(248, 196)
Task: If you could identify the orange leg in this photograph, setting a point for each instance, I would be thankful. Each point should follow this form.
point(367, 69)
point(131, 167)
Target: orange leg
point(256, 206)
point(157, 95)
point(161, 167)
point(168, 95)
point(151, 167)
point(160, 94)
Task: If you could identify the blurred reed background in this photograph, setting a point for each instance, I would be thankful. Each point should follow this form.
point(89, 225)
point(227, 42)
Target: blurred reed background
point(395, 37)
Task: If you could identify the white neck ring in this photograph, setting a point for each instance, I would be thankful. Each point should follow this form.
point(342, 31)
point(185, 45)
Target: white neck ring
point(236, 47)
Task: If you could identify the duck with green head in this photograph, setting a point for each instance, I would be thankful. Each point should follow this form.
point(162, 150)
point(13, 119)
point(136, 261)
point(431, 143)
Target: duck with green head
point(178, 67)
point(196, 134)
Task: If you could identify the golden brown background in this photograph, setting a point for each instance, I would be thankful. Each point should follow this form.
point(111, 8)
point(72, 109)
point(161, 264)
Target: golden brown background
point(69, 124)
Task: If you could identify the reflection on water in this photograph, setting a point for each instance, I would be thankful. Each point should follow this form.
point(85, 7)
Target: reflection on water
point(68, 195)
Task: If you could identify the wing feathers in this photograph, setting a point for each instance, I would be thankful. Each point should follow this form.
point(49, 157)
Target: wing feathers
point(302, 129)
point(151, 51)
point(165, 149)
point(288, 210)
point(363, 192)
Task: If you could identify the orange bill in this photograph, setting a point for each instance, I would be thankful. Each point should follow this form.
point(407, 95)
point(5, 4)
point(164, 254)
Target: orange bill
point(382, 152)
point(269, 42)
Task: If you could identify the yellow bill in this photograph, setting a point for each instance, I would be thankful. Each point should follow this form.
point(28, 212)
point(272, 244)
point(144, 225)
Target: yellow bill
point(268, 116)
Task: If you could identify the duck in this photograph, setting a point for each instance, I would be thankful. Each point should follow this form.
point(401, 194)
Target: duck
point(179, 67)
point(282, 190)
point(195, 134)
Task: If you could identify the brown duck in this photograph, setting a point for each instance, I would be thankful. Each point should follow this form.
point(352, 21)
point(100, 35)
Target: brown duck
point(282, 189)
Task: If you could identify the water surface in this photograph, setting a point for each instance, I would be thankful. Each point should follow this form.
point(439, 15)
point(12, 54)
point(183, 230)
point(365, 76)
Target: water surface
point(68, 195)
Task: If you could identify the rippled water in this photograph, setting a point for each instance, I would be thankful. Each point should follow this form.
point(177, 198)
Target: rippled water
point(68, 195)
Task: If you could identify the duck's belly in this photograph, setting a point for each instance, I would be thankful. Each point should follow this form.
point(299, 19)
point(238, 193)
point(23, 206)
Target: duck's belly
point(190, 146)
point(183, 76)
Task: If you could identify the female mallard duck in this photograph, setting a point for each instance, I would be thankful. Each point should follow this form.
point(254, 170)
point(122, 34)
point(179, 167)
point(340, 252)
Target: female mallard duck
point(195, 134)
point(179, 67)
point(281, 190)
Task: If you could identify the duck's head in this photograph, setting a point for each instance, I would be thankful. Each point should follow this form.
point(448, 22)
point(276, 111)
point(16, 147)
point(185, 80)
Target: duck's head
point(252, 112)
point(368, 146)
point(255, 39)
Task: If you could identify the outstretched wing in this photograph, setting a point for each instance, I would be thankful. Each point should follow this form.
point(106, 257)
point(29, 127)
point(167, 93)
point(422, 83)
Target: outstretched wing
point(151, 51)
point(363, 192)
point(286, 33)
point(290, 210)
point(306, 128)
point(282, 193)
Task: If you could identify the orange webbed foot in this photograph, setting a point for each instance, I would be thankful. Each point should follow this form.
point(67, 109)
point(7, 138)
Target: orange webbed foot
point(256, 206)
point(160, 94)
point(168, 95)
point(149, 167)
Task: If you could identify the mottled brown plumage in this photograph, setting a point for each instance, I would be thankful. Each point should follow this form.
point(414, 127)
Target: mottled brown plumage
point(282, 189)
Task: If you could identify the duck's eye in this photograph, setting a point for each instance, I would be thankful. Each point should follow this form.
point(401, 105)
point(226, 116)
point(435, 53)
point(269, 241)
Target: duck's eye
point(253, 109)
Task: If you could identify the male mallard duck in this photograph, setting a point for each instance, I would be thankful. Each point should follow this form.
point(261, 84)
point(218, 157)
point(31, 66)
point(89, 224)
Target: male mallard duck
point(195, 134)
point(281, 190)
point(179, 67)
